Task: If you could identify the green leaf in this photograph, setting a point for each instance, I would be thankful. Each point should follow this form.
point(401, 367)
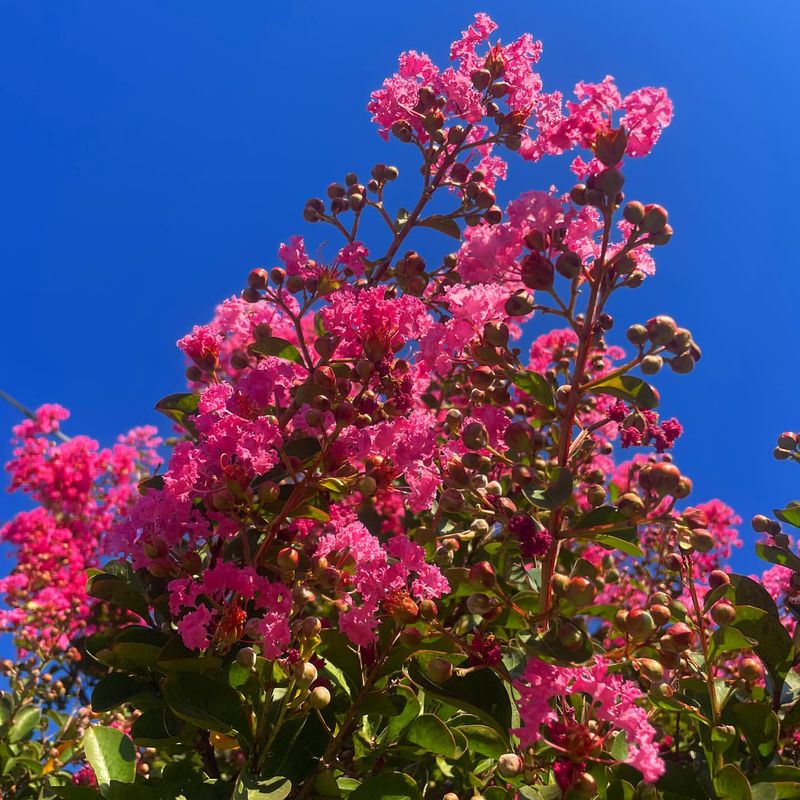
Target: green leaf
point(430, 734)
point(629, 388)
point(774, 646)
point(387, 786)
point(111, 754)
point(536, 385)
point(443, 224)
point(615, 543)
point(248, 788)
point(154, 726)
point(555, 494)
point(410, 712)
point(484, 740)
point(748, 592)
point(778, 555)
point(277, 347)
point(179, 408)
point(307, 511)
point(116, 688)
point(731, 784)
point(480, 693)
point(118, 592)
point(620, 790)
point(728, 640)
point(790, 515)
point(207, 703)
point(24, 723)
point(760, 726)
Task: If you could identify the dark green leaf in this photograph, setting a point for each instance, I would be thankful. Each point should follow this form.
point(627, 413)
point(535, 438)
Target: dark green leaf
point(443, 224)
point(480, 693)
point(555, 494)
point(207, 703)
point(118, 592)
point(629, 388)
point(774, 642)
point(537, 386)
point(151, 728)
point(760, 726)
point(116, 688)
point(111, 754)
point(179, 408)
point(387, 786)
point(277, 347)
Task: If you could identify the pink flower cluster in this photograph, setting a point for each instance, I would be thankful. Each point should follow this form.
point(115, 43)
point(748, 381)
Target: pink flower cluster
point(82, 490)
point(611, 702)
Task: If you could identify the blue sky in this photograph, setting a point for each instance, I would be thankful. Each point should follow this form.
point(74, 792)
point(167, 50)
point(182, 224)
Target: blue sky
point(154, 152)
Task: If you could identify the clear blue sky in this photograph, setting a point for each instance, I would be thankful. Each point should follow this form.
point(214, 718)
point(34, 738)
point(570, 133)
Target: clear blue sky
point(153, 152)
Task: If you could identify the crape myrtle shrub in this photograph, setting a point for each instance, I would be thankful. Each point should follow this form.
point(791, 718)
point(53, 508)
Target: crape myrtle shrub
point(391, 554)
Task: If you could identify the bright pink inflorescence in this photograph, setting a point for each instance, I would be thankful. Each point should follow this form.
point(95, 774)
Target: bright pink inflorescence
point(82, 490)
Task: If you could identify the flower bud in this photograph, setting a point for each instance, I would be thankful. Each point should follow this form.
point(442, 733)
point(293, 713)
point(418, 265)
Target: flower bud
point(475, 436)
point(661, 478)
point(650, 668)
point(482, 575)
point(584, 787)
point(439, 670)
point(661, 329)
point(496, 334)
point(580, 590)
point(655, 219)
point(578, 194)
point(639, 624)
point(258, 279)
point(682, 364)
point(287, 559)
point(569, 265)
point(246, 657)
point(305, 673)
point(481, 604)
point(633, 212)
point(509, 765)
point(319, 698)
point(723, 613)
point(451, 501)
point(537, 271)
point(520, 304)
point(428, 610)
point(610, 181)
point(310, 627)
point(751, 669)
point(651, 364)
point(702, 540)
point(682, 635)
point(660, 614)
point(718, 578)
point(630, 504)
point(609, 146)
